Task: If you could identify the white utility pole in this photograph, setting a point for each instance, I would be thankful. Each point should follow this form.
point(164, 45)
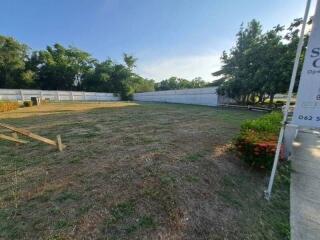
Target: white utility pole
point(285, 116)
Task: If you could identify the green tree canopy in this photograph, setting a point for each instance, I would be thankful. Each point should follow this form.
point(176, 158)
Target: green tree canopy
point(13, 57)
point(129, 60)
point(108, 76)
point(260, 64)
point(179, 83)
point(62, 68)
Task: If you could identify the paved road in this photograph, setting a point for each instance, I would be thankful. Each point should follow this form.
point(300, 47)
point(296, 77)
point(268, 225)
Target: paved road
point(305, 187)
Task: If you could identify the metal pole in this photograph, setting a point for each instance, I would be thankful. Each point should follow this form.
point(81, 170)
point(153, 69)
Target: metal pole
point(285, 116)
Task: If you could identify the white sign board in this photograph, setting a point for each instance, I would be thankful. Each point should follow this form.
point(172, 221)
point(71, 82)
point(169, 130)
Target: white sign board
point(307, 110)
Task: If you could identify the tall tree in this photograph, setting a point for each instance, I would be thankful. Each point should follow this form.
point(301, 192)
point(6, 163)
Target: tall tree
point(198, 82)
point(12, 64)
point(117, 78)
point(63, 68)
point(178, 83)
point(129, 60)
point(260, 64)
point(239, 66)
point(99, 78)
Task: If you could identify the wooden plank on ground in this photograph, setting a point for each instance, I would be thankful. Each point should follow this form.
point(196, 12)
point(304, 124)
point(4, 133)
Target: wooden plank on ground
point(232, 106)
point(5, 137)
point(255, 108)
point(30, 134)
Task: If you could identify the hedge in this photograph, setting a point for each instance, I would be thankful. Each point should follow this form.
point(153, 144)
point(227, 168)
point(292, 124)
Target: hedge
point(27, 104)
point(257, 140)
point(8, 106)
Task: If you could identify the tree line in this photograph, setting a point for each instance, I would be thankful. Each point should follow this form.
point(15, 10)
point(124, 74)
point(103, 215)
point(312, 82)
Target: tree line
point(174, 83)
point(260, 64)
point(66, 68)
point(69, 68)
point(255, 69)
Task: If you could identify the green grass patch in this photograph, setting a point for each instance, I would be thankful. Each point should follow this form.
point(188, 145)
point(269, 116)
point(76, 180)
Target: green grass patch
point(121, 211)
point(146, 222)
point(194, 157)
point(192, 179)
point(62, 223)
point(67, 196)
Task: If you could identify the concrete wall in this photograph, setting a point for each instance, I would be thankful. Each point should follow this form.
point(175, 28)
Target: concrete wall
point(24, 94)
point(198, 96)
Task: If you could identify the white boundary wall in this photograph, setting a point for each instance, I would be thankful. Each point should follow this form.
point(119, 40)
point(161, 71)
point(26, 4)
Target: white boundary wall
point(26, 94)
point(197, 96)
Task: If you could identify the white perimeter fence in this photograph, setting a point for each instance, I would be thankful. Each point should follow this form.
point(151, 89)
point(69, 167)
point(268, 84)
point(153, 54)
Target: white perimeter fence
point(26, 94)
point(197, 96)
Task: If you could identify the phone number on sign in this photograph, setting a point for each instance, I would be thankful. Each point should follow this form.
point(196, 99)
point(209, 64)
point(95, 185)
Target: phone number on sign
point(308, 118)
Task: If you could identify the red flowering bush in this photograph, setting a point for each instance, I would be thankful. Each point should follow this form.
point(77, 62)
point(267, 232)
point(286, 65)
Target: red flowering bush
point(8, 106)
point(257, 141)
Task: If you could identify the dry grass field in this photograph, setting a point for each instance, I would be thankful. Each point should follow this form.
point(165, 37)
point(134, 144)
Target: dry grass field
point(134, 171)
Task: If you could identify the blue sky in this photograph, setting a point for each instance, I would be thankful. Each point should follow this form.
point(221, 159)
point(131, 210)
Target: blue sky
point(183, 38)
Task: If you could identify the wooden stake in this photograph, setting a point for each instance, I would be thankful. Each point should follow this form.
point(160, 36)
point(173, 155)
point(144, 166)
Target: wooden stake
point(31, 135)
point(15, 135)
point(59, 143)
point(5, 137)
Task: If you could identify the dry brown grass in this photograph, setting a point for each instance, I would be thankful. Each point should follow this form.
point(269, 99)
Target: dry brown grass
point(131, 171)
point(57, 108)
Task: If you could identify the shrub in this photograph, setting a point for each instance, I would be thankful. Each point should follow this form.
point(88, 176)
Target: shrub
point(280, 103)
point(27, 103)
point(269, 123)
point(8, 106)
point(257, 140)
point(127, 92)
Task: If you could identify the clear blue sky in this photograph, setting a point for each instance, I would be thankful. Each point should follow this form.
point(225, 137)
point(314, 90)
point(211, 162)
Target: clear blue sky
point(169, 37)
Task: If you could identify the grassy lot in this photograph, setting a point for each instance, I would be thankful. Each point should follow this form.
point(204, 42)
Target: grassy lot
point(135, 171)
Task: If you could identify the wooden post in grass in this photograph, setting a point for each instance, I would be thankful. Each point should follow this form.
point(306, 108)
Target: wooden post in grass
point(15, 136)
point(59, 143)
point(31, 135)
